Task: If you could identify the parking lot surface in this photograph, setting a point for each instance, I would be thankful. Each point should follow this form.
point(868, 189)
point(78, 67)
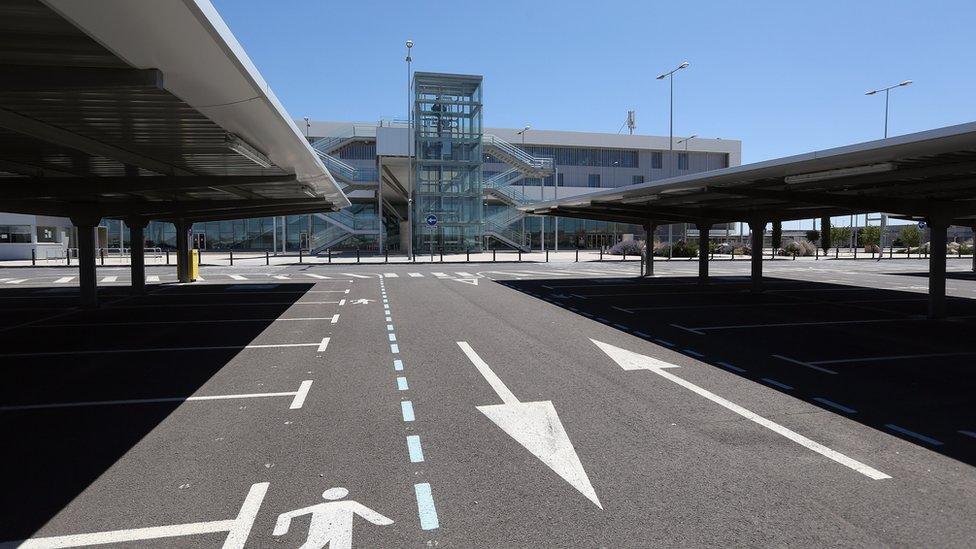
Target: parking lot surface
point(490, 405)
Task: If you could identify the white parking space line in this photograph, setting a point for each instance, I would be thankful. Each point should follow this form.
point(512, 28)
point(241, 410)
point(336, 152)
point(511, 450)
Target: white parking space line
point(109, 278)
point(313, 275)
point(164, 349)
point(230, 304)
point(697, 329)
point(152, 278)
point(805, 364)
point(464, 274)
point(238, 529)
point(238, 277)
point(17, 281)
point(281, 277)
point(415, 275)
point(323, 345)
point(64, 280)
point(296, 403)
point(187, 321)
point(440, 275)
point(335, 318)
point(391, 275)
point(358, 275)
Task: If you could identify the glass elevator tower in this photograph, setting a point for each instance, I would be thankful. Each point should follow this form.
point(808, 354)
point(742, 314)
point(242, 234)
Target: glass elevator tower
point(448, 132)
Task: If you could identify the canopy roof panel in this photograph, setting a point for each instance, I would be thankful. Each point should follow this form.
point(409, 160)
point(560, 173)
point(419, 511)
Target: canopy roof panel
point(123, 108)
point(921, 175)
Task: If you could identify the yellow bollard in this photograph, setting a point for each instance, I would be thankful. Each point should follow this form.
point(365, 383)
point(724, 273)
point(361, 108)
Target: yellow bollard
point(194, 264)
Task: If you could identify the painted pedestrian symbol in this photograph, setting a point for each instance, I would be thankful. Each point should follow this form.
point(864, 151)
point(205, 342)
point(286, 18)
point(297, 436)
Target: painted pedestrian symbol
point(431, 220)
point(361, 301)
point(331, 522)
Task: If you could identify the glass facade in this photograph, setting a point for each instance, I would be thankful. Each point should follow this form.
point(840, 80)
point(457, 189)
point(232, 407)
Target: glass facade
point(448, 182)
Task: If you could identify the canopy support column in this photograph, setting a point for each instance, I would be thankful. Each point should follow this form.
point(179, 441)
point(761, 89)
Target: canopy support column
point(703, 251)
point(137, 239)
point(757, 230)
point(651, 228)
point(182, 250)
point(87, 279)
point(937, 268)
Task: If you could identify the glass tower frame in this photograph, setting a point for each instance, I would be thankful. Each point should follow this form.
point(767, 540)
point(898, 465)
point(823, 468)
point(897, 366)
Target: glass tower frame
point(448, 147)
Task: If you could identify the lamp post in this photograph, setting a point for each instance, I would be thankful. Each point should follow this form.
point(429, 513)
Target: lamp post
point(686, 140)
point(522, 133)
point(670, 76)
point(886, 92)
point(409, 157)
point(307, 125)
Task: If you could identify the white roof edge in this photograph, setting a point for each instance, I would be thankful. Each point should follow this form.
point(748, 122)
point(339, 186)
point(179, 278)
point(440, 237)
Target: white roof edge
point(206, 67)
point(913, 144)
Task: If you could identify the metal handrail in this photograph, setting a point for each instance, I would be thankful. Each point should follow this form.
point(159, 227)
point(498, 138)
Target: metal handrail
point(504, 178)
point(346, 171)
point(536, 162)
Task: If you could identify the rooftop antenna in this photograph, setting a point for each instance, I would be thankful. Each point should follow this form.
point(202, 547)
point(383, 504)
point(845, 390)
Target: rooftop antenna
point(631, 122)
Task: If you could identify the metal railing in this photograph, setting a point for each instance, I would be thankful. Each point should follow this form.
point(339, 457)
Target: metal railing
point(347, 172)
point(504, 178)
point(538, 163)
point(330, 143)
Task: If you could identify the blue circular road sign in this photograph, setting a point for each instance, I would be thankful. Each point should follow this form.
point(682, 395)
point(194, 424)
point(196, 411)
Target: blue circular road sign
point(431, 220)
point(921, 225)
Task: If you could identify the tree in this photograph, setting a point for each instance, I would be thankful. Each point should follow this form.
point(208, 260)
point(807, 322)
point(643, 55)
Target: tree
point(839, 234)
point(870, 236)
point(777, 236)
point(813, 235)
point(911, 236)
point(825, 231)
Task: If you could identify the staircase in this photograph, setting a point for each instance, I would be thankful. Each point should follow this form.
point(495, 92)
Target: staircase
point(340, 226)
point(531, 166)
point(352, 178)
point(331, 143)
point(508, 235)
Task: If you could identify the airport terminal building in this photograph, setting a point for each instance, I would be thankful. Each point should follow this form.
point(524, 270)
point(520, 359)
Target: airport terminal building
point(445, 163)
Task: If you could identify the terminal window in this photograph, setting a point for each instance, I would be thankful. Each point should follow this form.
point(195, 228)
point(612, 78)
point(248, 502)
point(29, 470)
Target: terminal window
point(15, 234)
point(594, 180)
point(657, 160)
point(637, 179)
point(48, 234)
point(682, 161)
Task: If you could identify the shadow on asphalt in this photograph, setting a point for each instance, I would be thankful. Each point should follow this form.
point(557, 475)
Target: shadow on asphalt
point(951, 275)
point(52, 455)
point(864, 353)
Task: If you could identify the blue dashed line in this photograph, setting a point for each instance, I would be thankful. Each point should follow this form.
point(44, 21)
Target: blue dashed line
point(728, 366)
point(622, 327)
point(664, 342)
point(425, 507)
point(913, 434)
point(833, 404)
point(392, 337)
point(695, 354)
point(642, 334)
point(777, 383)
point(394, 348)
point(402, 383)
point(406, 407)
point(413, 447)
point(398, 365)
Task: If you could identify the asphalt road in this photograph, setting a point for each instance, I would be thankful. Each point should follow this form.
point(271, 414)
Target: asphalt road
point(507, 405)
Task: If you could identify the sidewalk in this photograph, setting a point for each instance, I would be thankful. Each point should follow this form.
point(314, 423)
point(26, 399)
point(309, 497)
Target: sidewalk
point(223, 258)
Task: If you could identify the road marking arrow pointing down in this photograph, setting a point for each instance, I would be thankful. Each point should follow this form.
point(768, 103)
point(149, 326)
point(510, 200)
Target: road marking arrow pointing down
point(629, 360)
point(536, 426)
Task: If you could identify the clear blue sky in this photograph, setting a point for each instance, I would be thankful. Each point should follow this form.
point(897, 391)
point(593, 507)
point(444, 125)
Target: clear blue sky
point(784, 77)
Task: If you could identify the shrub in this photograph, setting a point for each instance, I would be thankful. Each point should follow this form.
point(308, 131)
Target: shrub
point(839, 236)
point(911, 236)
point(798, 247)
point(743, 250)
point(682, 249)
point(627, 247)
point(870, 236)
point(813, 235)
point(724, 248)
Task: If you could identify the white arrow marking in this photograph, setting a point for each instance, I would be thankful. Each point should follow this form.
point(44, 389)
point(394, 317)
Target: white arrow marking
point(536, 426)
point(472, 281)
point(629, 360)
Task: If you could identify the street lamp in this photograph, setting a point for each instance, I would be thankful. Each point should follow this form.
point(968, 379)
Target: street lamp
point(670, 76)
point(886, 91)
point(307, 125)
point(409, 157)
point(522, 133)
point(686, 140)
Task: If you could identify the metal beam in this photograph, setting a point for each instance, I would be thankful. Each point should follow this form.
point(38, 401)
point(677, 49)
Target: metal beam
point(54, 78)
point(65, 188)
point(59, 136)
point(855, 202)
